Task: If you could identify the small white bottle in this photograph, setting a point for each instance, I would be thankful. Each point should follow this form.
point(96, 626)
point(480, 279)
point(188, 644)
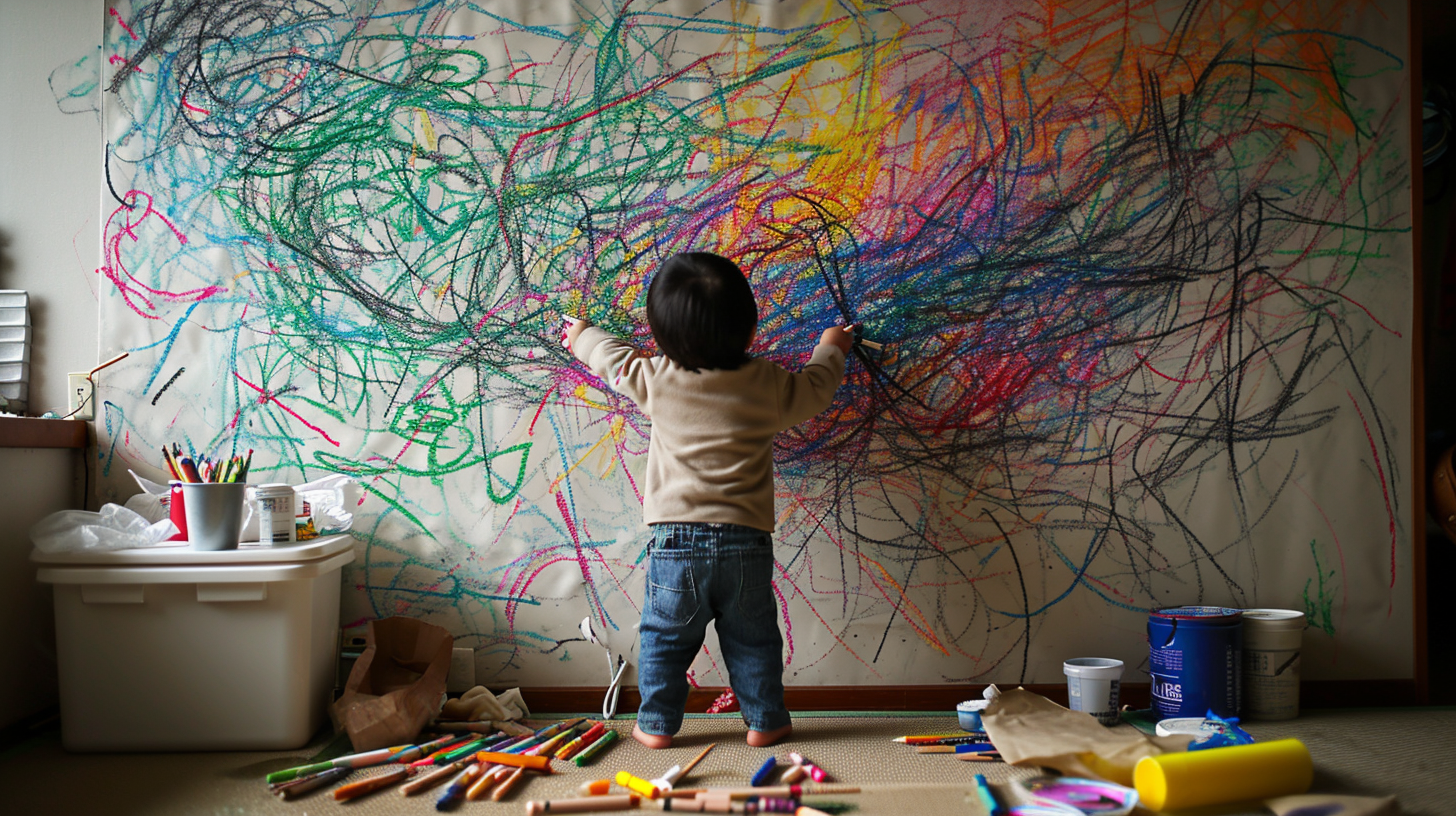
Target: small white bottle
point(275, 514)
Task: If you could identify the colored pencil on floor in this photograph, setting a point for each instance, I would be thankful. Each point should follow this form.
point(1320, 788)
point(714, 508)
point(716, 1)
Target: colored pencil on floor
point(692, 763)
point(458, 786)
point(361, 760)
point(928, 738)
point(304, 784)
point(432, 778)
point(366, 786)
point(487, 780)
point(507, 784)
point(581, 741)
point(586, 754)
point(969, 748)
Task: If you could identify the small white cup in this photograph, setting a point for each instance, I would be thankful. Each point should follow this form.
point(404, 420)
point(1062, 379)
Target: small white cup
point(1092, 686)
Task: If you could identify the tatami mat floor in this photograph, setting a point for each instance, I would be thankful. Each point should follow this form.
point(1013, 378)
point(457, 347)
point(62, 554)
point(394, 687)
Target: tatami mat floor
point(1410, 753)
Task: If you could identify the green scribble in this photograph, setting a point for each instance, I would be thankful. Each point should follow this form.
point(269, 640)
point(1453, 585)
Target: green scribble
point(1319, 610)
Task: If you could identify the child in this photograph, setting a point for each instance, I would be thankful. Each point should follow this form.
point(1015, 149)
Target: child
point(710, 495)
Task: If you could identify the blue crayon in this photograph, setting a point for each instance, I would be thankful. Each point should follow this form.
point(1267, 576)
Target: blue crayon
point(988, 799)
point(760, 777)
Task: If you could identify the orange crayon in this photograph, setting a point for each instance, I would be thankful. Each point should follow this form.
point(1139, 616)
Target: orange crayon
point(364, 787)
point(540, 762)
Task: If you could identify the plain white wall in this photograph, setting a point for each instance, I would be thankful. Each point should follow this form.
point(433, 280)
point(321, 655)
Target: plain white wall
point(50, 200)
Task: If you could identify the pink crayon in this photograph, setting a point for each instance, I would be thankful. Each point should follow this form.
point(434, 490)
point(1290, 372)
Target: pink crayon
point(816, 773)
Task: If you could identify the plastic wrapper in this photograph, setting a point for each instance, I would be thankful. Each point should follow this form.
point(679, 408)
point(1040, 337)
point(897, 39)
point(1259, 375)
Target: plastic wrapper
point(325, 506)
point(112, 528)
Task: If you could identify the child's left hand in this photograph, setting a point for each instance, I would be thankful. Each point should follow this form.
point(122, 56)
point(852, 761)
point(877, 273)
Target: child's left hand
point(572, 329)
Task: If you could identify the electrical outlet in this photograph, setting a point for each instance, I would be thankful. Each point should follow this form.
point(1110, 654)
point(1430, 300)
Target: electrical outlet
point(82, 395)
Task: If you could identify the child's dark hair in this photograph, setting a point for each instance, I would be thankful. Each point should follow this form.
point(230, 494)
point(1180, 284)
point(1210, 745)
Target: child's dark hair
point(702, 312)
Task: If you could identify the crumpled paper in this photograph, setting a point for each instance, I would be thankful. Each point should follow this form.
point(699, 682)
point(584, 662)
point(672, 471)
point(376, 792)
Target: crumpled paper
point(1028, 728)
point(479, 704)
point(1319, 804)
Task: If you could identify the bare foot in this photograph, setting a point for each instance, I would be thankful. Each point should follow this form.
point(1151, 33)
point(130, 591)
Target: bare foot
point(652, 740)
point(761, 739)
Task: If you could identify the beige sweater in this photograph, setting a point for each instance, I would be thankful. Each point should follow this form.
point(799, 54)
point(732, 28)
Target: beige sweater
point(710, 458)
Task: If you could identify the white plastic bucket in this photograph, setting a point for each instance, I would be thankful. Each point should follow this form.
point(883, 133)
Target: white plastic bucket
point(1093, 685)
point(1273, 639)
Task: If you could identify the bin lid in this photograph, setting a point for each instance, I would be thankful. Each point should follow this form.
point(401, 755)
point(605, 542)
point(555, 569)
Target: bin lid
point(178, 552)
point(1199, 614)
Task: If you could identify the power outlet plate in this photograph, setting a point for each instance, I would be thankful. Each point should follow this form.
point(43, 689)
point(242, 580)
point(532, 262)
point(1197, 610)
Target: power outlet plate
point(462, 670)
point(82, 395)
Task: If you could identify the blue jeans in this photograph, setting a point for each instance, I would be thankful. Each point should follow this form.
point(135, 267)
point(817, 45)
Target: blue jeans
point(710, 572)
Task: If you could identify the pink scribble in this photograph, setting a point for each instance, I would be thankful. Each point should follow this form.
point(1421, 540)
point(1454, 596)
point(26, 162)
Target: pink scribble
point(137, 211)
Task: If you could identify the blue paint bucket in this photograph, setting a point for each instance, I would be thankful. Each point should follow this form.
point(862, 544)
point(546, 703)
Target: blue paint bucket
point(1195, 655)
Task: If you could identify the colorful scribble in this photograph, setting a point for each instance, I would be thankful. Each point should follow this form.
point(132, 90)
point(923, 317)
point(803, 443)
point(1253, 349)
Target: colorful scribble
point(1137, 266)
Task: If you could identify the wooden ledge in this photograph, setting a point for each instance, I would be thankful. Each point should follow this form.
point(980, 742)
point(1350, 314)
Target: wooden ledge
point(33, 432)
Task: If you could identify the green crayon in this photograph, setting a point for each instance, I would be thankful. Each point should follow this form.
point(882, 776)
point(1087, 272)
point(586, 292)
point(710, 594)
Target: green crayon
point(585, 755)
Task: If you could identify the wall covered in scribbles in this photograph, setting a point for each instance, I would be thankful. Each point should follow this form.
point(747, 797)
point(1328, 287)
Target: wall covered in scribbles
point(1141, 272)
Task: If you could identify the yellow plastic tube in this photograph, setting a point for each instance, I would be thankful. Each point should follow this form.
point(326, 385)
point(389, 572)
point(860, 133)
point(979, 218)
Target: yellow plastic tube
point(1219, 775)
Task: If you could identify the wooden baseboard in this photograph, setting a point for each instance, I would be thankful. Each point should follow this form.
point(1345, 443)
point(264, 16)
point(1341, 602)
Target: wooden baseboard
point(1313, 694)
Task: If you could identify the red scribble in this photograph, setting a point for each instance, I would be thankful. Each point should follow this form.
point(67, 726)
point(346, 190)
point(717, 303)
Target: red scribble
point(192, 107)
point(114, 59)
point(117, 16)
point(137, 211)
point(273, 398)
point(1384, 487)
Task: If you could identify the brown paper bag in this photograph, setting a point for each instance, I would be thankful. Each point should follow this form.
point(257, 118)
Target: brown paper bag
point(1028, 728)
point(396, 686)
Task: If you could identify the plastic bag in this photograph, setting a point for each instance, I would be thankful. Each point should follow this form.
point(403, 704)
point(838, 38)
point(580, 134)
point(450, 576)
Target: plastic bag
point(151, 503)
point(330, 502)
point(113, 528)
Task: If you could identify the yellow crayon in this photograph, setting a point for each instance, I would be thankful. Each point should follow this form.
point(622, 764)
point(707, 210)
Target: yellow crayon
point(636, 785)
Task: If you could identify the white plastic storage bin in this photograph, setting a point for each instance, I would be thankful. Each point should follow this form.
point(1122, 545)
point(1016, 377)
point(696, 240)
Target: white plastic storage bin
point(169, 648)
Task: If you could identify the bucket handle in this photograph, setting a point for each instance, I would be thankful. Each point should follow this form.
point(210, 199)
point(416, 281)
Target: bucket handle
point(1172, 633)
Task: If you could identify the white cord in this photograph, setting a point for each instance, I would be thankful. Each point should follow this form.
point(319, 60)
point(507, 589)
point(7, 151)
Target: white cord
point(609, 703)
point(614, 671)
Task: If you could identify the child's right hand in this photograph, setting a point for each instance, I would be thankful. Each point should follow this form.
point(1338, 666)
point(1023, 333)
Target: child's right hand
point(572, 329)
point(842, 336)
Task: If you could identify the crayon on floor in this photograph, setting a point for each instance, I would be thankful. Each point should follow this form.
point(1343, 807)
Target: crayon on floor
point(760, 777)
point(366, 786)
point(595, 804)
point(586, 754)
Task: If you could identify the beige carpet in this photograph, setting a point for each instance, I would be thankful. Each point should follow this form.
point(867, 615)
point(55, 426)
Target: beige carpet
point(1410, 753)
